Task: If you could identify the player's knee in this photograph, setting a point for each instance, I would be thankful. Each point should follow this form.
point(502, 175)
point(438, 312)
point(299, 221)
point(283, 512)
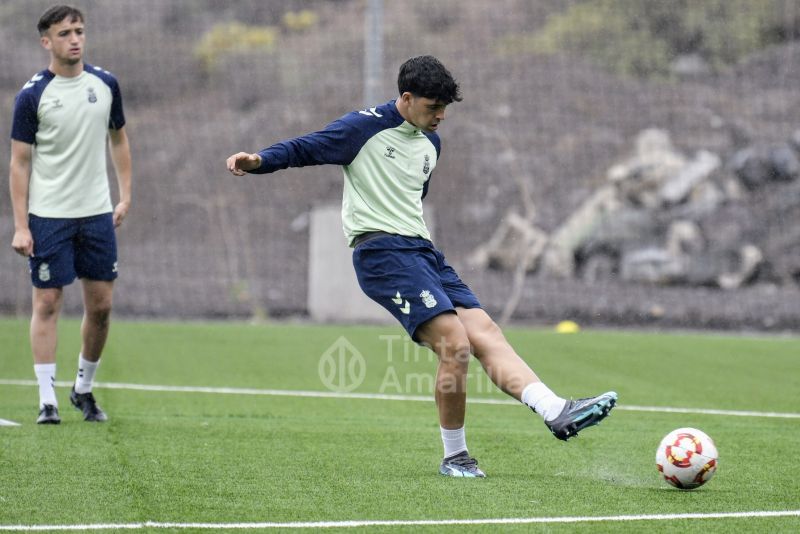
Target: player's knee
point(491, 329)
point(47, 304)
point(454, 350)
point(100, 312)
point(485, 334)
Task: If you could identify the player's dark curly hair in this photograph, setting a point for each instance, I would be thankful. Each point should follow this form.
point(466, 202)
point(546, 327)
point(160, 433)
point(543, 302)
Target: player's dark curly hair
point(56, 14)
point(425, 76)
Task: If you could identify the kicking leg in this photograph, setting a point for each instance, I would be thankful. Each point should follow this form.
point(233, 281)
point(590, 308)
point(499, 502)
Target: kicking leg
point(512, 375)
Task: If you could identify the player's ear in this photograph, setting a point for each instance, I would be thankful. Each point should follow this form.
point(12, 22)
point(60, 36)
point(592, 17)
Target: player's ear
point(45, 41)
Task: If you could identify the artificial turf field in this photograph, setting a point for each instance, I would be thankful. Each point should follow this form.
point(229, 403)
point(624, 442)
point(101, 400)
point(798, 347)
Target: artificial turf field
point(249, 454)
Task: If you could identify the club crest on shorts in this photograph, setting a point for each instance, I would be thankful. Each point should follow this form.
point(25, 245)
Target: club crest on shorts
point(44, 272)
point(427, 299)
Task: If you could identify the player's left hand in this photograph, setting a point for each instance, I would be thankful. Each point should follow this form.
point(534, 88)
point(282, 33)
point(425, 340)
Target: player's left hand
point(120, 212)
point(242, 162)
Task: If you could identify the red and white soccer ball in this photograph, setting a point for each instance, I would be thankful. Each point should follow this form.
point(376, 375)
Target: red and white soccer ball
point(687, 458)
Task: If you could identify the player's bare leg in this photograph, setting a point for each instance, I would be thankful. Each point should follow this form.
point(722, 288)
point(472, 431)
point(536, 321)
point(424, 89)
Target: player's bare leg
point(501, 362)
point(446, 336)
point(97, 299)
point(511, 374)
point(44, 340)
point(44, 324)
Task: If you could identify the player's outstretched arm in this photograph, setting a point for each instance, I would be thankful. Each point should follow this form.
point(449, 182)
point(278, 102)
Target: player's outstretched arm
point(242, 162)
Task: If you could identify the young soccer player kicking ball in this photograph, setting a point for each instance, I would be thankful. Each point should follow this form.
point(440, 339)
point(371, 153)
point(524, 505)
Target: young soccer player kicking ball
point(388, 154)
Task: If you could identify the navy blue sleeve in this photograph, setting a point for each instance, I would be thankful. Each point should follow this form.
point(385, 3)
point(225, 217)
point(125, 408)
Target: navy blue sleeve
point(26, 122)
point(116, 118)
point(338, 144)
point(437, 143)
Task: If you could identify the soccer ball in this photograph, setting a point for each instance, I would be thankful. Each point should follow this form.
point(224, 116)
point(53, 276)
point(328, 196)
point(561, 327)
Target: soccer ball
point(687, 458)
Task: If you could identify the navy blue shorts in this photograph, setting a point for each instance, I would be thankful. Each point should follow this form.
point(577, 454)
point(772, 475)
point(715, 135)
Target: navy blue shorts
point(410, 278)
point(65, 248)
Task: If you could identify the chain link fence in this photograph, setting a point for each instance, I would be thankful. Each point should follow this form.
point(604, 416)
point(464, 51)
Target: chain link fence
point(554, 117)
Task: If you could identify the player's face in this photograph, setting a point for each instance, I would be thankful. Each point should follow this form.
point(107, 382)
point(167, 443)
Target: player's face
point(65, 40)
point(425, 113)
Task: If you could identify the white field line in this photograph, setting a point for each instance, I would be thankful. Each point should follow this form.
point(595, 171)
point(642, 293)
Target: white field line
point(406, 523)
point(6, 422)
point(383, 396)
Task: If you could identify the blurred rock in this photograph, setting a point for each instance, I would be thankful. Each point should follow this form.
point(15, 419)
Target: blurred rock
point(653, 265)
point(516, 240)
point(785, 163)
point(690, 66)
point(753, 166)
point(676, 188)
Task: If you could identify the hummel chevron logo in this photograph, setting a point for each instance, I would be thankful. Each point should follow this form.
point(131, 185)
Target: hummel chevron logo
point(33, 81)
point(406, 308)
point(371, 112)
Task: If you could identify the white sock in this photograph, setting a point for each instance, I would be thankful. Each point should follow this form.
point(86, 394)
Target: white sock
point(543, 401)
point(46, 376)
point(86, 371)
point(454, 441)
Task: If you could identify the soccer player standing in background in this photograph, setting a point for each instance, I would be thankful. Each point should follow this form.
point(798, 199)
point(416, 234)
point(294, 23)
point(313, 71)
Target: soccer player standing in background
point(388, 154)
point(64, 222)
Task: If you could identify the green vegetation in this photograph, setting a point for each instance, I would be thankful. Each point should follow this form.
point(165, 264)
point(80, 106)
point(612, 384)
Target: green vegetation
point(173, 456)
point(234, 37)
point(300, 20)
point(228, 38)
point(642, 38)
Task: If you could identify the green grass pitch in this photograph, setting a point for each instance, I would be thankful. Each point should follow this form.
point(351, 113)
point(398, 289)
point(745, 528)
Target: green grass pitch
point(211, 457)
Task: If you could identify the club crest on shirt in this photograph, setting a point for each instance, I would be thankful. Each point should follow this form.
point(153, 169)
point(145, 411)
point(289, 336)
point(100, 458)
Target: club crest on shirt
point(92, 95)
point(426, 168)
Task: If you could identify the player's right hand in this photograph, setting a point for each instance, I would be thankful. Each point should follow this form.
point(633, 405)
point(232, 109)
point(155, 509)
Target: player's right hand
point(241, 162)
point(23, 242)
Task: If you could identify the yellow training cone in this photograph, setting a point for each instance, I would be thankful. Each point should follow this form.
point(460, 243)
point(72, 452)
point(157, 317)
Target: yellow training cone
point(567, 327)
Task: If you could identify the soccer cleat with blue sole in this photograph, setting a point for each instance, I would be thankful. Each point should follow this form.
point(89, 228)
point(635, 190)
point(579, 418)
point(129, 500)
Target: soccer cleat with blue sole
point(461, 465)
point(581, 413)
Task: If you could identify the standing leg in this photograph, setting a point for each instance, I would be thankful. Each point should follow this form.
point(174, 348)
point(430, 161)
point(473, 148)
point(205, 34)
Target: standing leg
point(44, 324)
point(97, 299)
point(44, 340)
point(446, 336)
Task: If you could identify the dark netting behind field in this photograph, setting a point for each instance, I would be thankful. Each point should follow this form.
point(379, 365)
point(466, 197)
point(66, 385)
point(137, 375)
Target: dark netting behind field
point(633, 166)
